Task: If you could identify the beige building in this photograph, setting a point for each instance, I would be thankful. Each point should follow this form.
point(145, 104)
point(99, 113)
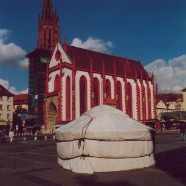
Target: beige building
point(20, 101)
point(184, 99)
point(169, 103)
point(6, 105)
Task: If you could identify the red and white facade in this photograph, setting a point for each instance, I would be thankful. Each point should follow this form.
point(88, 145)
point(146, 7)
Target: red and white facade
point(79, 79)
point(76, 79)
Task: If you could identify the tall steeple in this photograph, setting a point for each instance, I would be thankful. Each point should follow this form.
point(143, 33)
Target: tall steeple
point(48, 27)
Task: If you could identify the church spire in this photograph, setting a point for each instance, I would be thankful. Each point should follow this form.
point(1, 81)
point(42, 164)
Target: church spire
point(47, 12)
point(48, 28)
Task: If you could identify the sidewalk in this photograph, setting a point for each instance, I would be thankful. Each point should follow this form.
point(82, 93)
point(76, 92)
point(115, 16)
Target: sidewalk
point(34, 137)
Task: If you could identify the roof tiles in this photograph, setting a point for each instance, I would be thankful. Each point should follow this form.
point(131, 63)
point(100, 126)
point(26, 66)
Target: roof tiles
point(83, 57)
point(21, 98)
point(5, 92)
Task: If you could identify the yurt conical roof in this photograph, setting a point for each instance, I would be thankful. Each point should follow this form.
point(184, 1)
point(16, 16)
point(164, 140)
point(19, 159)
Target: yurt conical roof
point(104, 123)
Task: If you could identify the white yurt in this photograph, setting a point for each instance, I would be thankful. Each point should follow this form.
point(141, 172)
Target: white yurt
point(104, 139)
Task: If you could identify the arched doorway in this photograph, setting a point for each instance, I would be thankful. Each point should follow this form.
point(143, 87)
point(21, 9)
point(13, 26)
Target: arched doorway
point(51, 115)
point(83, 94)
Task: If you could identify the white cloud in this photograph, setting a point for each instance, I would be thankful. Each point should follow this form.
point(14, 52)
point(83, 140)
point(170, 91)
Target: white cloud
point(169, 75)
point(93, 44)
point(3, 33)
point(23, 64)
point(24, 91)
point(6, 84)
point(10, 53)
point(13, 90)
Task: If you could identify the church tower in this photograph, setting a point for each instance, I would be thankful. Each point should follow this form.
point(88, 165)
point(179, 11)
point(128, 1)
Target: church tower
point(48, 27)
point(48, 37)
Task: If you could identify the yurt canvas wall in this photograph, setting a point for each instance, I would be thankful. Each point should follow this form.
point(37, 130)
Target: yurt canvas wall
point(104, 139)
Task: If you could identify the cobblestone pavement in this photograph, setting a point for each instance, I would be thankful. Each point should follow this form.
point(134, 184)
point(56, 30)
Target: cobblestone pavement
point(34, 163)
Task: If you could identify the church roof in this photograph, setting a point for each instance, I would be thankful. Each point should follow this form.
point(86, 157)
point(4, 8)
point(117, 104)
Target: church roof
point(183, 90)
point(83, 57)
point(170, 97)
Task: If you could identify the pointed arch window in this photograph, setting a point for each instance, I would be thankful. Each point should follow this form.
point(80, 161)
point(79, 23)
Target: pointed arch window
point(68, 102)
point(138, 97)
point(96, 92)
point(108, 89)
point(129, 99)
point(143, 104)
point(149, 103)
point(56, 83)
point(119, 95)
point(83, 94)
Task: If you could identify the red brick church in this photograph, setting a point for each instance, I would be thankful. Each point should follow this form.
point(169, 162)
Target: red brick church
point(75, 79)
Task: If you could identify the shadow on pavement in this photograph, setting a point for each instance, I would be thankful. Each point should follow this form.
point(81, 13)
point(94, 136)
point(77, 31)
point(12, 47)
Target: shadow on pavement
point(173, 162)
point(91, 181)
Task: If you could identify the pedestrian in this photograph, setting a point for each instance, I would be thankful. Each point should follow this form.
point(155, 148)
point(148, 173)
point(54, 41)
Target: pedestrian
point(11, 135)
point(182, 131)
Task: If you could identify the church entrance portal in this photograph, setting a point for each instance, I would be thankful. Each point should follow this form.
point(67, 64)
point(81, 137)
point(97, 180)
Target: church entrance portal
point(51, 116)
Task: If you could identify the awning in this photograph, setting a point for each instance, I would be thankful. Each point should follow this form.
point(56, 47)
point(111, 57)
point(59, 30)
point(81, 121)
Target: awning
point(3, 123)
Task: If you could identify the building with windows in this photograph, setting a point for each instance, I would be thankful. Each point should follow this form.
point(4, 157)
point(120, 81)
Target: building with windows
point(66, 81)
point(169, 102)
point(184, 99)
point(20, 101)
point(6, 105)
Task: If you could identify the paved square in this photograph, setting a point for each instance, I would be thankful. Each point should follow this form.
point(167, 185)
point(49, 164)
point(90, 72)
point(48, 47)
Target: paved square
point(31, 163)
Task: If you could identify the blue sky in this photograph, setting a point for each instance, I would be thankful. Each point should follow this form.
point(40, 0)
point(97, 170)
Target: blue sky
point(154, 28)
